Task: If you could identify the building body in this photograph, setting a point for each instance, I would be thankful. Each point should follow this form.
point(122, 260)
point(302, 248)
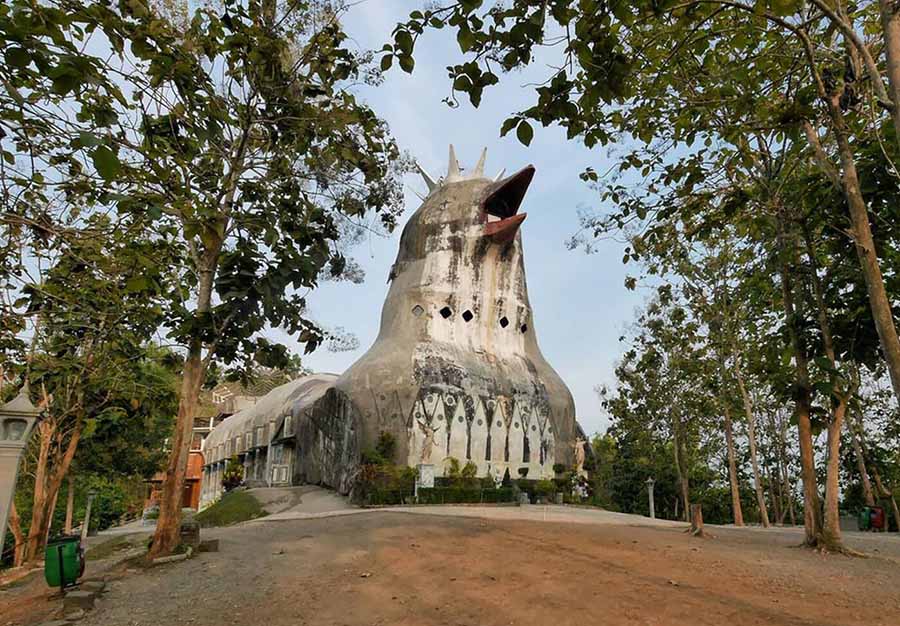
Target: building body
point(456, 371)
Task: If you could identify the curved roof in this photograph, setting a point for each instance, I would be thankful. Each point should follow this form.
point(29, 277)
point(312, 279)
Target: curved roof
point(288, 398)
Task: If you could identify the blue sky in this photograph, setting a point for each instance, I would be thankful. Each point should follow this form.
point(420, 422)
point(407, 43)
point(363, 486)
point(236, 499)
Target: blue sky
point(580, 304)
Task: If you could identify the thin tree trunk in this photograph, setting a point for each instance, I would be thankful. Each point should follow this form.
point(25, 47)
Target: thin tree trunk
point(811, 514)
point(70, 505)
point(784, 468)
point(861, 466)
point(890, 26)
point(831, 531)
point(751, 435)
point(15, 527)
point(790, 499)
point(166, 537)
point(776, 476)
point(732, 470)
point(774, 492)
point(865, 248)
point(43, 507)
point(679, 471)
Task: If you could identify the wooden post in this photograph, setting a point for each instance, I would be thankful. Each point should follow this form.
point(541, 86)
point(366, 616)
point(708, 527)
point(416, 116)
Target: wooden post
point(696, 520)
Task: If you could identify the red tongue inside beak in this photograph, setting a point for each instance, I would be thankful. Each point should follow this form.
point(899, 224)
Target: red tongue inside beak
point(503, 202)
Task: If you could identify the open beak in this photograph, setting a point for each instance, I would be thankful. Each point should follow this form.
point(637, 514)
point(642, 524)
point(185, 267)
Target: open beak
point(501, 206)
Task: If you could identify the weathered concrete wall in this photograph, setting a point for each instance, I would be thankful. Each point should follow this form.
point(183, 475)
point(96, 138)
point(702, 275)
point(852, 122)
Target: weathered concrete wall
point(327, 450)
point(456, 370)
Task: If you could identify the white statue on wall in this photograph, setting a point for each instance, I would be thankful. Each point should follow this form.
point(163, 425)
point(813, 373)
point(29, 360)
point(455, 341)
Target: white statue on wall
point(428, 443)
point(579, 456)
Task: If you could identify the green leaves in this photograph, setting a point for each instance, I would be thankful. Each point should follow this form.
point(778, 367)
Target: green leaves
point(106, 162)
point(406, 63)
point(17, 57)
point(524, 132)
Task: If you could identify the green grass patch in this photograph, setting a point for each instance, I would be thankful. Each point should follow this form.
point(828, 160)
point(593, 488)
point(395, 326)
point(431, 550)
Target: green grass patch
point(234, 507)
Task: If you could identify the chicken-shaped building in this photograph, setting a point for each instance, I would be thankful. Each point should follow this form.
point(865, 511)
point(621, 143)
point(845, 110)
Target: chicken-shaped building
point(455, 372)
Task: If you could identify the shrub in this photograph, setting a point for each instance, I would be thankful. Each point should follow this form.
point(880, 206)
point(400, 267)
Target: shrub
point(559, 468)
point(463, 495)
point(234, 474)
point(452, 469)
point(544, 488)
point(377, 482)
point(488, 482)
point(468, 476)
point(386, 446)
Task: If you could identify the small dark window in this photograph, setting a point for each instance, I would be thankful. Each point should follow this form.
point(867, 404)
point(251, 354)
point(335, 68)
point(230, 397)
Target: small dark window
point(524, 328)
point(504, 322)
point(446, 312)
point(468, 316)
point(418, 310)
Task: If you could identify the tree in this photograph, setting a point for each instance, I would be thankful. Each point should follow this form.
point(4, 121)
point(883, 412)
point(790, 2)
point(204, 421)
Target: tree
point(94, 310)
point(757, 99)
point(248, 145)
point(619, 73)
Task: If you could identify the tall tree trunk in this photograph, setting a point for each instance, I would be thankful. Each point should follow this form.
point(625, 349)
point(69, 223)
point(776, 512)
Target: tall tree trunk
point(776, 476)
point(680, 471)
point(48, 482)
point(774, 491)
point(70, 505)
point(802, 394)
point(732, 469)
point(751, 435)
point(890, 26)
point(865, 247)
point(166, 537)
point(784, 468)
point(831, 531)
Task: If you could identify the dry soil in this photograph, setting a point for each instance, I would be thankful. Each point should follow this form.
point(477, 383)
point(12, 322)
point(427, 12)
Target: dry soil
point(401, 569)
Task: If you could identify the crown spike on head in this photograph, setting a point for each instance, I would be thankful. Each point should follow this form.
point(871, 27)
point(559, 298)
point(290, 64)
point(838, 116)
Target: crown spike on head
point(429, 180)
point(500, 175)
point(453, 167)
point(479, 168)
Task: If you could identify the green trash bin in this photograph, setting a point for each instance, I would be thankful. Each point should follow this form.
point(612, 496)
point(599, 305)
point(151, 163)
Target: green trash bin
point(63, 561)
point(864, 520)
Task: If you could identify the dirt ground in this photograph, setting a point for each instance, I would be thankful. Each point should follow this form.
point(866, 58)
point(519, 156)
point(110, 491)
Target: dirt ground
point(393, 568)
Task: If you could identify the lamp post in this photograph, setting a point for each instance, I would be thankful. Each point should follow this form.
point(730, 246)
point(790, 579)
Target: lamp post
point(649, 484)
point(85, 527)
point(17, 418)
